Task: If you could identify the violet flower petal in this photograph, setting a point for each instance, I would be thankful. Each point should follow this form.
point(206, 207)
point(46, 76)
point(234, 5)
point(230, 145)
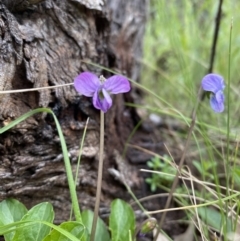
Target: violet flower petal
point(220, 96)
point(116, 84)
point(87, 83)
point(102, 102)
point(217, 102)
point(213, 83)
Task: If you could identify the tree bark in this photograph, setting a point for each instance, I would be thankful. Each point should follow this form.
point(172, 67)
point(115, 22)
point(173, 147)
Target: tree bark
point(47, 43)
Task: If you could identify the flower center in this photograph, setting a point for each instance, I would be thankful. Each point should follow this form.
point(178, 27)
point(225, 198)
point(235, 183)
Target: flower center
point(102, 79)
point(100, 94)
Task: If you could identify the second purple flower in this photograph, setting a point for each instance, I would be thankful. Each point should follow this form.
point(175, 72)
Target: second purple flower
point(88, 84)
point(214, 84)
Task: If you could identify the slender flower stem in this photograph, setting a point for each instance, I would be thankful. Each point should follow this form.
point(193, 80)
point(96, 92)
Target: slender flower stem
point(215, 36)
point(214, 42)
point(99, 180)
point(228, 103)
point(176, 179)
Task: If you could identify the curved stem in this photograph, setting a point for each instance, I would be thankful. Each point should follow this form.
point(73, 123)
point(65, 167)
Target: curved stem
point(71, 184)
point(180, 165)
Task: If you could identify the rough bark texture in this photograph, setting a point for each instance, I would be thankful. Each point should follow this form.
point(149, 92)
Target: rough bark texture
point(47, 43)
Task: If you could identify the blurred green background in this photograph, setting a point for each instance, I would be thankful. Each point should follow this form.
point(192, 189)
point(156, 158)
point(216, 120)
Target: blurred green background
point(177, 48)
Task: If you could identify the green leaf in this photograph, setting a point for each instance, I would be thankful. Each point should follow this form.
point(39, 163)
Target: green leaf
point(198, 166)
point(101, 231)
point(20, 224)
point(215, 219)
point(75, 228)
point(121, 220)
point(36, 232)
point(150, 164)
point(11, 211)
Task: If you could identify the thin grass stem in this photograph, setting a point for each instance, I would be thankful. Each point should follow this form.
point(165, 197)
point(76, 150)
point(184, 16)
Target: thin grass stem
point(79, 157)
point(195, 206)
point(130, 137)
point(228, 175)
point(34, 89)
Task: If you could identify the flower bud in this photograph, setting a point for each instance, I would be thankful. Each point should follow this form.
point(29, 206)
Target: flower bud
point(147, 226)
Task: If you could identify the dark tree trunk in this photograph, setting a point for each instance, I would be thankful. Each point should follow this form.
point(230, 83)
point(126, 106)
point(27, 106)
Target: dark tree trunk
point(47, 43)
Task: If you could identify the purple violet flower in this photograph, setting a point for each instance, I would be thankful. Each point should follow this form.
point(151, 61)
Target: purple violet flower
point(214, 83)
point(88, 84)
